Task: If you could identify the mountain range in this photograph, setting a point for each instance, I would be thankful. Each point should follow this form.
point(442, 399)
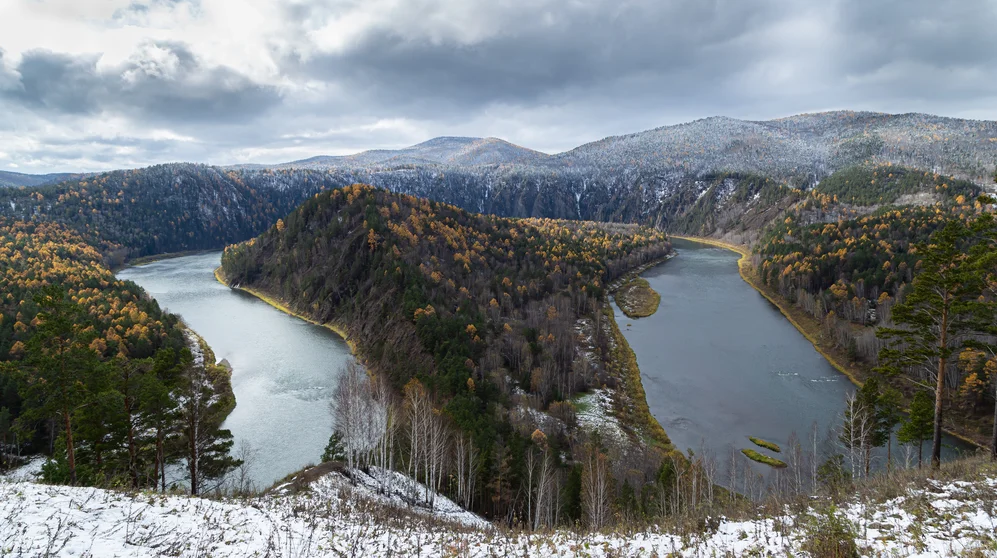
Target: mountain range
point(805, 147)
point(716, 176)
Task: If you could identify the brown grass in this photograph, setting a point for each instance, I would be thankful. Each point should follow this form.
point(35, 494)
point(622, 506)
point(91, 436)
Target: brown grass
point(637, 299)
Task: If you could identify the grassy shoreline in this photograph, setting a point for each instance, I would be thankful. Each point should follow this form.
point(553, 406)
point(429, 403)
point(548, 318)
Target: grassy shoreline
point(624, 360)
point(805, 324)
point(279, 305)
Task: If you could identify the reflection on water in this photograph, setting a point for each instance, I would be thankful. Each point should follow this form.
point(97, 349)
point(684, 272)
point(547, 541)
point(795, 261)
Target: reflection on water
point(284, 369)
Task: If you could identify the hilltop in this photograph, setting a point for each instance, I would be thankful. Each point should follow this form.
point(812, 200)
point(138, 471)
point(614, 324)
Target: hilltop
point(913, 516)
point(14, 179)
point(501, 323)
point(459, 151)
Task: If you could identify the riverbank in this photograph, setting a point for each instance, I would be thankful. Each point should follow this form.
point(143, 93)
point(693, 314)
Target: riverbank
point(283, 307)
point(623, 361)
point(809, 327)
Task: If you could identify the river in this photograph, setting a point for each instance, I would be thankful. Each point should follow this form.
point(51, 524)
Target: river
point(719, 362)
point(284, 369)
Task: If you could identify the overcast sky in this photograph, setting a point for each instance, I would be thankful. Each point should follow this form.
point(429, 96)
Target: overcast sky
point(90, 85)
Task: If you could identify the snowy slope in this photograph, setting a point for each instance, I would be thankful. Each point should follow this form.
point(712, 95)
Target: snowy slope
point(332, 519)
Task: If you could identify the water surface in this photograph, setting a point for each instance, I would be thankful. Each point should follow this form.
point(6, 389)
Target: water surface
point(284, 369)
point(719, 362)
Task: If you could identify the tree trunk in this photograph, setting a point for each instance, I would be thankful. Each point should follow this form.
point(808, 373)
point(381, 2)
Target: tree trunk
point(70, 450)
point(936, 443)
point(132, 452)
point(193, 425)
point(160, 468)
point(993, 437)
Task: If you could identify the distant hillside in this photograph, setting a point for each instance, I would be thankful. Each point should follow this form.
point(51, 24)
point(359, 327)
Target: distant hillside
point(717, 176)
point(165, 208)
point(799, 149)
point(802, 149)
point(11, 179)
point(438, 151)
point(700, 177)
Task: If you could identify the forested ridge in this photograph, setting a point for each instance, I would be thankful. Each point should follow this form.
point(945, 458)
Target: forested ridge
point(875, 282)
point(95, 374)
point(165, 208)
point(498, 322)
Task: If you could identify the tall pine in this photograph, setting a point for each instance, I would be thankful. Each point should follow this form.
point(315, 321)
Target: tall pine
point(941, 309)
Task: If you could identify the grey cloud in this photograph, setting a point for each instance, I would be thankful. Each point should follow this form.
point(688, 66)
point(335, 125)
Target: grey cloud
point(548, 75)
point(664, 44)
point(940, 51)
point(173, 88)
point(58, 82)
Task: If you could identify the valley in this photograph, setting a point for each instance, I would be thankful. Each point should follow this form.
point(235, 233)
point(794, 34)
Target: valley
point(538, 343)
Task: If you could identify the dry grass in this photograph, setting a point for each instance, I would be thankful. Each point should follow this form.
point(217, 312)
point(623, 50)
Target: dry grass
point(764, 459)
point(624, 361)
point(637, 299)
point(765, 444)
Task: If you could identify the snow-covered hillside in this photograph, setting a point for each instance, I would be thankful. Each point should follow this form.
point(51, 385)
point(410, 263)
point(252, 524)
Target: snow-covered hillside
point(331, 518)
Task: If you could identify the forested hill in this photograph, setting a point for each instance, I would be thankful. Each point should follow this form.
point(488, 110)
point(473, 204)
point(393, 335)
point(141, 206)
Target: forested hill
point(165, 208)
point(494, 316)
point(11, 179)
point(95, 374)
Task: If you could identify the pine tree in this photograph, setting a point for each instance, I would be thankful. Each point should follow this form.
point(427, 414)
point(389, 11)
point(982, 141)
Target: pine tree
point(918, 425)
point(889, 407)
point(201, 413)
point(56, 365)
point(942, 307)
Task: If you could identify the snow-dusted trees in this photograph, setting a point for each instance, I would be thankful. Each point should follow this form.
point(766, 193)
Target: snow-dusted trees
point(203, 407)
point(361, 418)
point(862, 428)
point(418, 413)
point(429, 439)
point(542, 485)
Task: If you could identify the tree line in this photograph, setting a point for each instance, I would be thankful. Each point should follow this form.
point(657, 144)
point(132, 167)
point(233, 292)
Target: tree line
point(917, 279)
point(95, 375)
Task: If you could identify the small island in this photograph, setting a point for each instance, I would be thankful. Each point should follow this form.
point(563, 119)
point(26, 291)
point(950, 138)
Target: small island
point(637, 299)
point(765, 444)
point(770, 461)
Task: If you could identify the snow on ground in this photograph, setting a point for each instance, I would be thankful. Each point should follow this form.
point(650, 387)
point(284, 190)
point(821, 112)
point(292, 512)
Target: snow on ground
point(30, 471)
point(595, 412)
point(332, 519)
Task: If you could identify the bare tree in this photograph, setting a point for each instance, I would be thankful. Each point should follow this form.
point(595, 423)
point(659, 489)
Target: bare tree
point(596, 487)
point(466, 457)
point(361, 420)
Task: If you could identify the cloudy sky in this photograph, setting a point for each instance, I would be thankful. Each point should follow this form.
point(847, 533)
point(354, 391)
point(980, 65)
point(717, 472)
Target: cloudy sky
point(97, 84)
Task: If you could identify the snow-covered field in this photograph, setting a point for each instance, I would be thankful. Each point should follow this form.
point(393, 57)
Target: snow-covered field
point(333, 519)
